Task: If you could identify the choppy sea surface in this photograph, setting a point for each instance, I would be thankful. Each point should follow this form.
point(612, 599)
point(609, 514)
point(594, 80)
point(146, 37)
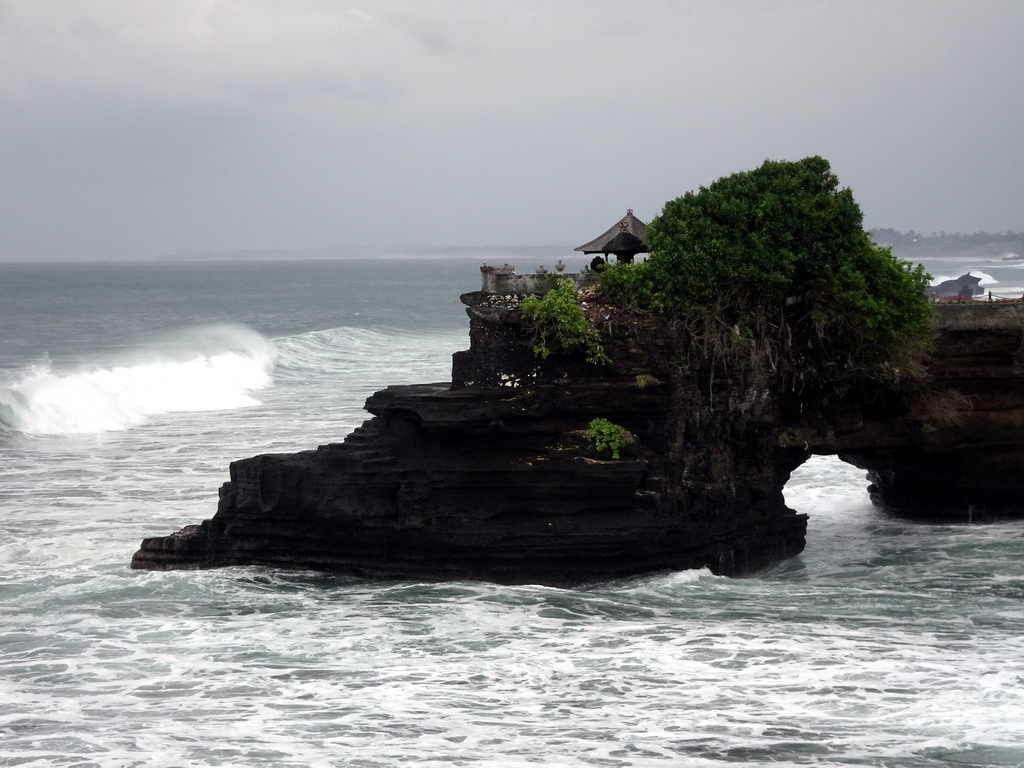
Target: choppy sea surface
point(125, 391)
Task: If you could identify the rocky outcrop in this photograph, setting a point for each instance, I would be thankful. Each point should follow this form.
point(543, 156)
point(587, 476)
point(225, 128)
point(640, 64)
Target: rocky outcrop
point(962, 459)
point(491, 476)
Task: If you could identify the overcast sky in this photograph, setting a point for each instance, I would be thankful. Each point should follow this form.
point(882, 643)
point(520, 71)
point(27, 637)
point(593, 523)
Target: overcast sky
point(138, 128)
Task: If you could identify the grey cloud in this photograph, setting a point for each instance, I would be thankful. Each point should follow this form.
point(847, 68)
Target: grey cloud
point(132, 129)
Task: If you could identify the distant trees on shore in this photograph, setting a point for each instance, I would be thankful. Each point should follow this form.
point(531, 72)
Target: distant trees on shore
point(1013, 241)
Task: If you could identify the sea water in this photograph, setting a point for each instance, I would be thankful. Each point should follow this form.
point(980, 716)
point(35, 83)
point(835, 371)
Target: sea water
point(126, 390)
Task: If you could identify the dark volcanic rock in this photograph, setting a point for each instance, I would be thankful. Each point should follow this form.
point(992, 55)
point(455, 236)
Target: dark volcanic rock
point(490, 477)
point(965, 460)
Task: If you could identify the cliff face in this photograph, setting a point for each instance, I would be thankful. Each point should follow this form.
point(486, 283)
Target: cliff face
point(491, 477)
point(964, 460)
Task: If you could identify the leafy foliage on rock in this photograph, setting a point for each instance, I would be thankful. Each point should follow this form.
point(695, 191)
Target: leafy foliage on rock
point(778, 258)
point(631, 285)
point(607, 436)
point(559, 324)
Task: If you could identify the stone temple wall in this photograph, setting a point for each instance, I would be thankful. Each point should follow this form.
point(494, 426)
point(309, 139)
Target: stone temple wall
point(504, 279)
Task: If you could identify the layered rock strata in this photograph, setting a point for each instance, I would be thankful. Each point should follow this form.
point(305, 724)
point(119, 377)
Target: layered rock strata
point(962, 456)
point(491, 476)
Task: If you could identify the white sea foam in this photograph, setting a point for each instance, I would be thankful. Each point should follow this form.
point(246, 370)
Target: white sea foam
point(202, 369)
point(986, 278)
point(884, 643)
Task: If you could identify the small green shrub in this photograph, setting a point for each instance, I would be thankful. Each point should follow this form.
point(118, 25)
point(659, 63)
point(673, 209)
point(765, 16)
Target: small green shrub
point(631, 286)
point(558, 323)
point(607, 436)
point(645, 380)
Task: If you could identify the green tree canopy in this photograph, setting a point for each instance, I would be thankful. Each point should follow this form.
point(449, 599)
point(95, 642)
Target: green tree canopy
point(738, 252)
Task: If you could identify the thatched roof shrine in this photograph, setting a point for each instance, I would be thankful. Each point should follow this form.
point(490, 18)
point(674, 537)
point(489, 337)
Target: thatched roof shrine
point(625, 239)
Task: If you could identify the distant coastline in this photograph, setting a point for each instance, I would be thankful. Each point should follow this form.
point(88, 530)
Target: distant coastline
point(912, 246)
point(551, 252)
point(915, 246)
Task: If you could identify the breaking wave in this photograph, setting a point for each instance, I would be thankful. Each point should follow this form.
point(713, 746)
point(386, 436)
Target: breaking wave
point(196, 369)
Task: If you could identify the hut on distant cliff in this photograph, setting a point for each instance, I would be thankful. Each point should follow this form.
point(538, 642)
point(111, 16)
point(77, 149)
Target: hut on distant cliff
point(624, 240)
